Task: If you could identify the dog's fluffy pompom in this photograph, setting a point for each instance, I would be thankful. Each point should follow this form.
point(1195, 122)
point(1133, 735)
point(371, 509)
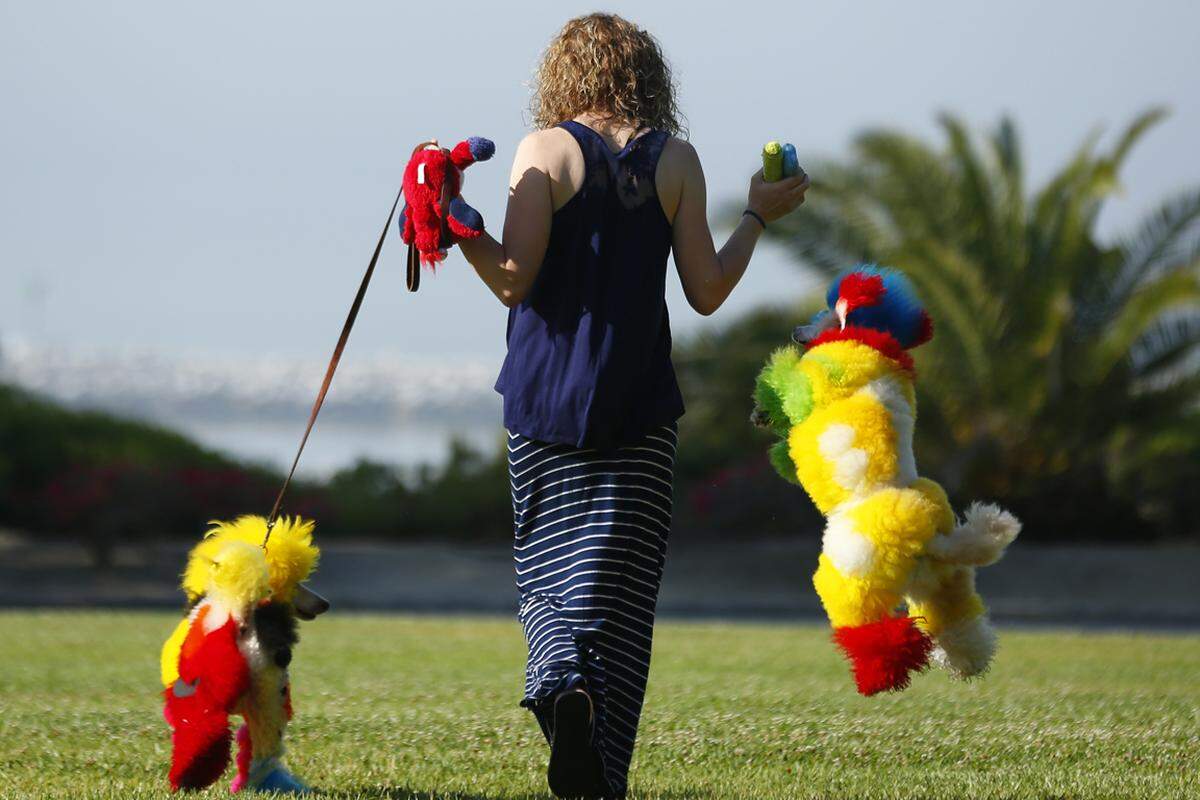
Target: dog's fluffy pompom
point(200, 751)
point(238, 576)
point(884, 654)
point(291, 554)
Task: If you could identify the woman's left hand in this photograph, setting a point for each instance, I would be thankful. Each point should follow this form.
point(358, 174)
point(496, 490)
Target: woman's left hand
point(777, 198)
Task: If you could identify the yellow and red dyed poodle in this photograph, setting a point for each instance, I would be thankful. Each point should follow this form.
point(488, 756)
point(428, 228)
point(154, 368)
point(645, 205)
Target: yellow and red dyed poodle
point(230, 654)
point(844, 406)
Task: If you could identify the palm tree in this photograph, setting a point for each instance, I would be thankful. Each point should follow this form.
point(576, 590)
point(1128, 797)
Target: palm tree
point(1065, 373)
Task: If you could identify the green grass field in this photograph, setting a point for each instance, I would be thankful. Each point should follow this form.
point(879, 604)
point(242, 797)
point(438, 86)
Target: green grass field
point(426, 707)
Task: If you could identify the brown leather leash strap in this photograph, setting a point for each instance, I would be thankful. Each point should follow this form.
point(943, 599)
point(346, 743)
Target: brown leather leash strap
point(333, 365)
point(412, 270)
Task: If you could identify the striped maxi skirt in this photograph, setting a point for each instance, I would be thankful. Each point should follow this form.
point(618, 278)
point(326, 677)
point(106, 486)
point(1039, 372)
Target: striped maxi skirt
point(591, 532)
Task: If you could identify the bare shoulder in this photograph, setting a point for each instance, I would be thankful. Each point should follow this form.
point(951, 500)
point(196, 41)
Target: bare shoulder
point(680, 156)
point(546, 149)
point(678, 168)
point(555, 156)
point(679, 165)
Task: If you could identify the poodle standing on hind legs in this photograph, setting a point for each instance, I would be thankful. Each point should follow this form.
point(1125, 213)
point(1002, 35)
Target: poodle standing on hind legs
point(845, 409)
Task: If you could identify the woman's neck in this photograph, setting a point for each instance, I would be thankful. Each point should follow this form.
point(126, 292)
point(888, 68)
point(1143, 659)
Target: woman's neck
point(616, 132)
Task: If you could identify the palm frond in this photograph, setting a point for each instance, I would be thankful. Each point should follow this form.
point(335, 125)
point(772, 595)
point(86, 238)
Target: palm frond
point(823, 239)
point(1010, 204)
point(1133, 133)
point(976, 190)
point(911, 182)
point(1006, 144)
point(846, 227)
point(1142, 311)
point(944, 278)
point(1168, 240)
point(1066, 182)
point(1165, 344)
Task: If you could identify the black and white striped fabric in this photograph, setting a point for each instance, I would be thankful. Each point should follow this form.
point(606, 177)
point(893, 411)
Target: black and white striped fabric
point(591, 537)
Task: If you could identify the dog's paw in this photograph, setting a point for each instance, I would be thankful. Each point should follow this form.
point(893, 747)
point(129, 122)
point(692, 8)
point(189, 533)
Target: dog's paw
point(981, 538)
point(965, 650)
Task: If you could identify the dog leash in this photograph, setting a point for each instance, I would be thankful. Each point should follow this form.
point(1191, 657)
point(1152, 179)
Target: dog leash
point(412, 280)
point(337, 357)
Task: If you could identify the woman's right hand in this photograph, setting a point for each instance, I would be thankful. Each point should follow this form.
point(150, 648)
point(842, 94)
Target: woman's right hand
point(778, 198)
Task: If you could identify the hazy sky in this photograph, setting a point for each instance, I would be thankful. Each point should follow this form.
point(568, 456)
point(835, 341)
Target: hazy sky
point(210, 177)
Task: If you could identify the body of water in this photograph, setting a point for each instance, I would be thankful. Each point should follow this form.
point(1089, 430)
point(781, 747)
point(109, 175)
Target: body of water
point(384, 407)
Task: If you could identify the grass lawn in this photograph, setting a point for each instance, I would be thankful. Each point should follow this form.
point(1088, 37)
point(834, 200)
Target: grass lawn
point(426, 707)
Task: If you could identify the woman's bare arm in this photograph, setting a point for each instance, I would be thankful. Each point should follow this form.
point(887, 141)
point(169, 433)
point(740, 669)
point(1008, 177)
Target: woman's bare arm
point(708, 276)
point(510, 267)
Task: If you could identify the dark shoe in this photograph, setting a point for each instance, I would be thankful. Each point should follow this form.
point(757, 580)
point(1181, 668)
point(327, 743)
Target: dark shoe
point(575, 769)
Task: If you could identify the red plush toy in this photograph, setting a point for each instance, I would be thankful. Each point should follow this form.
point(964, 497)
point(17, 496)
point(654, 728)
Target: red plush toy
point(435, 216)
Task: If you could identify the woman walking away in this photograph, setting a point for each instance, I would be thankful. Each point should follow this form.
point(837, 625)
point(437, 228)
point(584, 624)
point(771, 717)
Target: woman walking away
point(599, 196)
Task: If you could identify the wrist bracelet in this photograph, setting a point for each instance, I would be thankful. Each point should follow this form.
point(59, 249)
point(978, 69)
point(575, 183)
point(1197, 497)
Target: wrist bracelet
point(757, 217)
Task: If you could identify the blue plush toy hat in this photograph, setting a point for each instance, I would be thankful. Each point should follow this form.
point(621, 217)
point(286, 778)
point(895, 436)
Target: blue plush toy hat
point(881, 298)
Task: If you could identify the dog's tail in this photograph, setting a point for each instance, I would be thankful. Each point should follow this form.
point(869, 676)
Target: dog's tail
point(979, 540)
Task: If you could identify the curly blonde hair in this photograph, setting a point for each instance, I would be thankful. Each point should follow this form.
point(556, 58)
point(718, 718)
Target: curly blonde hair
point(604, 64)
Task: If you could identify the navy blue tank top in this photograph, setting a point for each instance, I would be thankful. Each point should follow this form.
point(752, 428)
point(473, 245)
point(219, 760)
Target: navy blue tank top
point(589, 350)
